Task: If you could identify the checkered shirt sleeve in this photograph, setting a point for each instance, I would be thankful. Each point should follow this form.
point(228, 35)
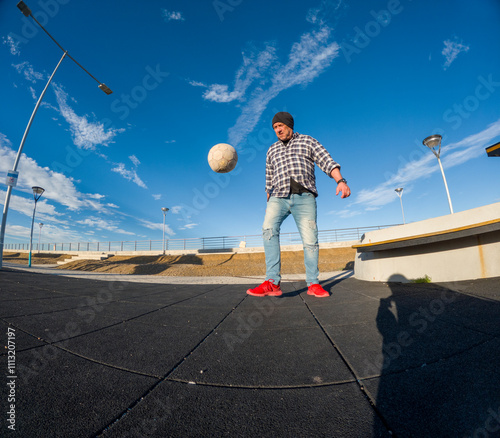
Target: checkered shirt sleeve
point(296, 159)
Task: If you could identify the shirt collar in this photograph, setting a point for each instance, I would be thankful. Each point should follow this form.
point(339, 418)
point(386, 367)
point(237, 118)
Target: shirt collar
point(294, 136)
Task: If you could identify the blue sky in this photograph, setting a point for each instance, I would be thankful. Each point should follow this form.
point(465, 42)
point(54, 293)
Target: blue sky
point(370, 80)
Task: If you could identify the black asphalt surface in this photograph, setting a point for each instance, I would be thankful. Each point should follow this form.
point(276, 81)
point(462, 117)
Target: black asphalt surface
point(87, 357)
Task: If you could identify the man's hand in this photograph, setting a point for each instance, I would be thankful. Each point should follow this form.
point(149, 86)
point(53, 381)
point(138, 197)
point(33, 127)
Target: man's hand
point(344, 188)
point(341, 187)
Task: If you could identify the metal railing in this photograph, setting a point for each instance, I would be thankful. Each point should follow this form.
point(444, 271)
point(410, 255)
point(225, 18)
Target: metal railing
point(197, 243)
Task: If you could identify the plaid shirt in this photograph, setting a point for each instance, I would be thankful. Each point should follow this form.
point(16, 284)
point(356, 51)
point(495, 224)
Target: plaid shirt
point(296, 159)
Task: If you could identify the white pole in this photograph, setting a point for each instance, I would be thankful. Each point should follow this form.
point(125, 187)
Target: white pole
point(31, 237)
point(402, 210)
point(163, 247)
point(9, 188)
point(40, 235)
point(445, 185)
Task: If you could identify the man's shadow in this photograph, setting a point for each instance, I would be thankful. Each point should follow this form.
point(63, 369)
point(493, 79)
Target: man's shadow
point(437, 372)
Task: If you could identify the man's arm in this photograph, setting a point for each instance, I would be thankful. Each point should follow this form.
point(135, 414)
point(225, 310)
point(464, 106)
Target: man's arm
point(342, 186)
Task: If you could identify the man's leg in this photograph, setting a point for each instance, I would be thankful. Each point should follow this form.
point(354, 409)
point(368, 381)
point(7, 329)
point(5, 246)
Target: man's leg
point(276, 212)
point(304, 212)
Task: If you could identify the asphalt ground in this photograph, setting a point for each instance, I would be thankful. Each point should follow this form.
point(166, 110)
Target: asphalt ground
point(121, 356)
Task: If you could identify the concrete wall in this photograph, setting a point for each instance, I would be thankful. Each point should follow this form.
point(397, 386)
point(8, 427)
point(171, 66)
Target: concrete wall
point(462, 246)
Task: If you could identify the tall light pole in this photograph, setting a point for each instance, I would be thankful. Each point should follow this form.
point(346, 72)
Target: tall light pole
point(27, 12)
point(432, 142)
point(39, 235)
point(164, 209)
point(37, 193)
point(399, 191)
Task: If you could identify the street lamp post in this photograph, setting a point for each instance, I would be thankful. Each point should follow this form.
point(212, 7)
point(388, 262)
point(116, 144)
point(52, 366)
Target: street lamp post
point(399, 191)
point(27, 12)
point(432, 142)
point(164, 209)
point(37, 193)
point(39, 235)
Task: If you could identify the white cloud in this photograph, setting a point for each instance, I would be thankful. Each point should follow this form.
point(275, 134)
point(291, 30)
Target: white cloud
point(44, 210)
point(49, 234)
point(134, 160)
point(451, 51)
point(58, 187)
point(130, 175)
point(255, 67)
point(26, 69)
point(308, 58)
point(221, 93)
point(345, 213)
point(157, 226)
point(188, 226)
point(197, 84)
point(86, 135)
point(102, 224)
point(172, 15)
point(13, 45)
point(321, 14)
point(157, 197)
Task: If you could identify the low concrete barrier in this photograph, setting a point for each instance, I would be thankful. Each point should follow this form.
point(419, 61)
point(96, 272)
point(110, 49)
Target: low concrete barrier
point(95, 254)
point(460, 246)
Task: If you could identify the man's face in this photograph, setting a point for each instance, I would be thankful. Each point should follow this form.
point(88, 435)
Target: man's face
point(283, 132)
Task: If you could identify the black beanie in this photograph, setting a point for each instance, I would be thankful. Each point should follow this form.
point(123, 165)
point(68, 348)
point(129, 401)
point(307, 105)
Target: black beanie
point(283, 117)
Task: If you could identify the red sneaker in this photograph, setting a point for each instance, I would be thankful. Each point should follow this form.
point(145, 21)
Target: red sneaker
point(266, 288)
point(317, 291)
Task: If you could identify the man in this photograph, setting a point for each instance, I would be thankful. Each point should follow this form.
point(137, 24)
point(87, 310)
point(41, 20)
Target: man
point(291, 189)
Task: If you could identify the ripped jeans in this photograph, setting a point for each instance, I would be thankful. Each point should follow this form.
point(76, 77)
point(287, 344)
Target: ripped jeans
point(303, 209)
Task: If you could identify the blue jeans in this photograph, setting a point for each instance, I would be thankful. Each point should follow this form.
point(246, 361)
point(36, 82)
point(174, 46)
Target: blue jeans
point(303, 209)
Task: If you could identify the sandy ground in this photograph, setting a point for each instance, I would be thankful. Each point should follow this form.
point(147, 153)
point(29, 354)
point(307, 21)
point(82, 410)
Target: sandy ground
point(192, 265)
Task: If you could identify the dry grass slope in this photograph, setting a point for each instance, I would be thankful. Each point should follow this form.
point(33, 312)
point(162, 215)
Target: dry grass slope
point(222, 264)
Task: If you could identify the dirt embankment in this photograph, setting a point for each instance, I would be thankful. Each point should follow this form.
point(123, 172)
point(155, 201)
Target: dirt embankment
point(192, 265)
point(36, 258)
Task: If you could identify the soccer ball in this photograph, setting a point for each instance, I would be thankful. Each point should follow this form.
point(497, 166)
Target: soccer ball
point(222, 158)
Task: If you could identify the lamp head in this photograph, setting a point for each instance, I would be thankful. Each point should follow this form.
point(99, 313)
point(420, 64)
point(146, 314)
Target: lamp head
point(399, 190)
point(432, 141)
point(37, 192)
point(105, 88)
point(164, 209)
point(24, 9)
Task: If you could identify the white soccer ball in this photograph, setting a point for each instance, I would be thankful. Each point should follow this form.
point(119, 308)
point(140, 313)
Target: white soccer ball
point(222, 158)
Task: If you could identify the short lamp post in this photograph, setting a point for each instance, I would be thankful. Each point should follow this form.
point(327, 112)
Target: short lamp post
point(433, 142)
point(164, 209)
point(37, 193)
point(39, 235)
point(399, 191)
